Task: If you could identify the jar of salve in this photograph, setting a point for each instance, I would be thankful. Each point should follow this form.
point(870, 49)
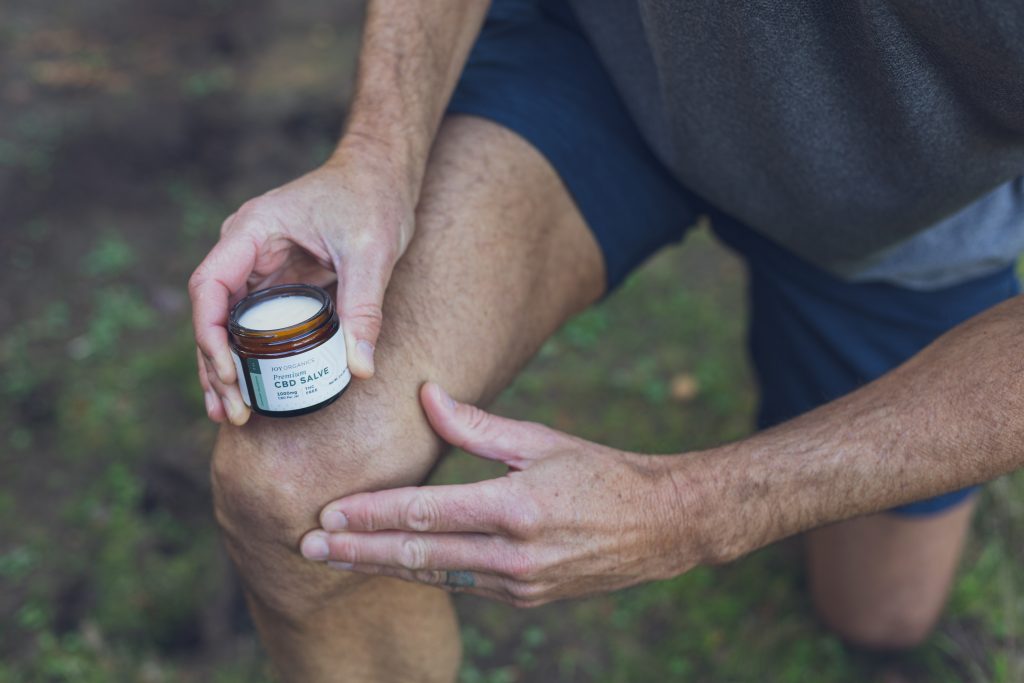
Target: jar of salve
point(289, 351)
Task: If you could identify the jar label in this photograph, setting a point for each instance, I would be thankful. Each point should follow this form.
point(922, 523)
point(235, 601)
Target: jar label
point(296, 382)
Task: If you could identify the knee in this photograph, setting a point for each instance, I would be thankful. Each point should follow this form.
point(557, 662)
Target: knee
point(271, 478)
point(881, 629)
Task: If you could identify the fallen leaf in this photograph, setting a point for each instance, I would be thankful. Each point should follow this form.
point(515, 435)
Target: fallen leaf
point(684, 387)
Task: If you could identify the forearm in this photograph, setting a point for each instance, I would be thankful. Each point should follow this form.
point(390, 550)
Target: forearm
point(412, 54)
point(950, 417)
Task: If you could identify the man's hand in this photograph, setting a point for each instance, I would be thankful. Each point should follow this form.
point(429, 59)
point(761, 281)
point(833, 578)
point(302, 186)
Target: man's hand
point(351, 219)
point(571, 518)
point(347, 222)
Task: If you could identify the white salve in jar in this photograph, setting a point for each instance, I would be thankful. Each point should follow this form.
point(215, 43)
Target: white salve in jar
point(289, 350)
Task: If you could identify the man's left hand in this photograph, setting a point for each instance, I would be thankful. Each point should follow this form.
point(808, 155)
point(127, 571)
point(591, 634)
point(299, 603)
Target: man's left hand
point(570, 518)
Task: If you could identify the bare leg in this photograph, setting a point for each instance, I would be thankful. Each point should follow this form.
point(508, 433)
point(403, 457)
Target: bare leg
point(881, 581)
point(500, 259)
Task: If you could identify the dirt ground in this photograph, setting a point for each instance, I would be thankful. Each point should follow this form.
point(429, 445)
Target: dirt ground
point(128, 131)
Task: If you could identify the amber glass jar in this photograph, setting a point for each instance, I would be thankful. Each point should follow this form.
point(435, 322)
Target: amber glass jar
point(289, 351)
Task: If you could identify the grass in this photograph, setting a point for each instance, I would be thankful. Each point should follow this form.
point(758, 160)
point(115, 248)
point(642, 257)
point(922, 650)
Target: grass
point(104, 580)
point(110, 565)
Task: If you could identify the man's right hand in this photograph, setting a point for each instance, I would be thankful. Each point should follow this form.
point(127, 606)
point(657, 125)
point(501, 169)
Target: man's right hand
point(350, 220)
point(347, 222)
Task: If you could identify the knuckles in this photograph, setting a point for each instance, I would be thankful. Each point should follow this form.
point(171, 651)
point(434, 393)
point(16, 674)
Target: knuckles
point(522, 567)
point(528, 592)
point(366, 318)
point(251, 209)
point(197, 280)
point(413, 554)
point(259, 213)
point(519, 603)
point(422, 513)
point(478, 421)
point(342, 550)
point(523, 519)
point(228, 224)
point(373, 245)
point(432, 577)
point(365, 313)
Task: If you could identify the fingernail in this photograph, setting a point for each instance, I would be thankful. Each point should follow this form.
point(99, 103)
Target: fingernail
point(344, 566)
point(236, 411)
point(314, 547)
point(334, 520)
point(364, 352)
point(211, 402)
point(448, 401)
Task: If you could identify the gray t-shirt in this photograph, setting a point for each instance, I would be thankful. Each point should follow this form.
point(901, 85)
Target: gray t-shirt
point(881, 140)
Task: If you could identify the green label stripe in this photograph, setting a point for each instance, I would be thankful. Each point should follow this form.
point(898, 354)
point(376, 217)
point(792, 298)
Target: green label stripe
point(253, 366)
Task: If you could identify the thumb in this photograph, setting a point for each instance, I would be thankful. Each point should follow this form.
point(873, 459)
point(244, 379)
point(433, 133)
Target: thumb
point(361, 286)
point(465, 426)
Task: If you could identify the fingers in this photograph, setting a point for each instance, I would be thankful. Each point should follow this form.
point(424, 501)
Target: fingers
point(497, 438)
point(474, 583)
point(229, 395)
point(220, 277)
point(483, 507)
point(414, 552)
point(361, 285)
point(214, 405)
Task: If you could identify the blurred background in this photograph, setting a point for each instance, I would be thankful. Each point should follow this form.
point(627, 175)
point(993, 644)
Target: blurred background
point(128, 131)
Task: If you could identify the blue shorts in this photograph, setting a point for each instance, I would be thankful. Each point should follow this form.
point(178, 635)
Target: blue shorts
point(813, 337)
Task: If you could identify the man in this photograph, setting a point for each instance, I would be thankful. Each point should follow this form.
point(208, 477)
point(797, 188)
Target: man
point(864, 159)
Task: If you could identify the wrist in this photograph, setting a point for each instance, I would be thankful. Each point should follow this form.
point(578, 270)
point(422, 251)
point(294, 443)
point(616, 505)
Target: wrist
point(390, 156)
point(713, 514)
